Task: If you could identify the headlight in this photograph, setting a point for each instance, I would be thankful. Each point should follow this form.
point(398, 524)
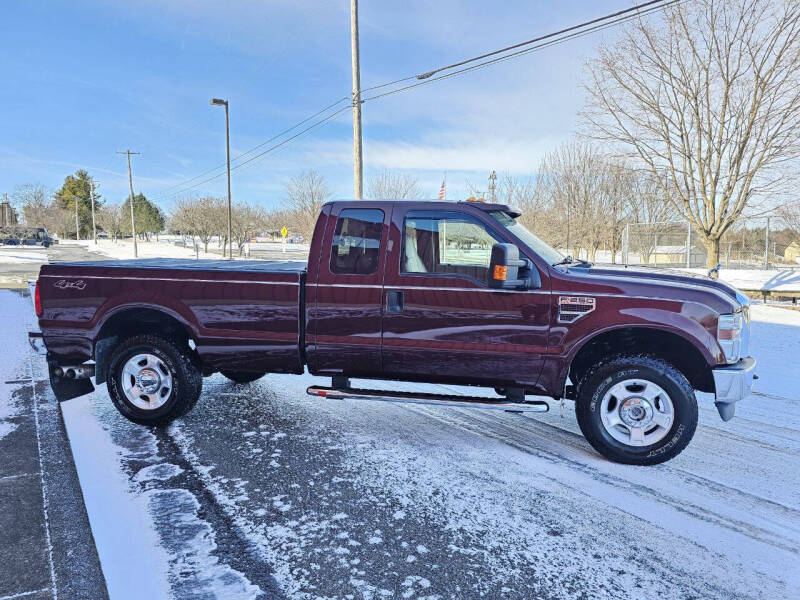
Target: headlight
point(729, 334)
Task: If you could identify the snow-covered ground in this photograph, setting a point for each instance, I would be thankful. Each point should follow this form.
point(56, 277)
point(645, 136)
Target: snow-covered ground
point(22, 255)
point(123, 249)
point(262, 491)
point(773, 280)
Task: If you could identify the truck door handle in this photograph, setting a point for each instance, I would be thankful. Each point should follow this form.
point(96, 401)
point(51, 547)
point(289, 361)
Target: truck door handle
point(395, 301)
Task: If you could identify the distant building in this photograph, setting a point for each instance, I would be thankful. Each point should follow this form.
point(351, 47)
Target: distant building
point(674, 256)
point(792, 253)
point(8, 214)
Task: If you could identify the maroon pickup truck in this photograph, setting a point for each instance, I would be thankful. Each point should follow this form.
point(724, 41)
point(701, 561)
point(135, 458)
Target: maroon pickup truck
point(437, 292)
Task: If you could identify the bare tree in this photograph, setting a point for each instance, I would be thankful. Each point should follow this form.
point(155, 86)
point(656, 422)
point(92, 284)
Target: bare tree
point(200, 217)
point(790, 213)
point(35, 202)
point(247, 221)
point(576, 183)
point(709, 103)
point(618, 191)
point(61, 220)
point(650, 211)
point(110, 218)
point(393, 185)
point(305, 195)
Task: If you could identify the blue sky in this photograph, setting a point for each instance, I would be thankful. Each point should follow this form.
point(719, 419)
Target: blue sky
point(83, 79)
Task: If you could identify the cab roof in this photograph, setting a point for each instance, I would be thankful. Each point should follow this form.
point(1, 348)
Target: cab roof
point(512, 211)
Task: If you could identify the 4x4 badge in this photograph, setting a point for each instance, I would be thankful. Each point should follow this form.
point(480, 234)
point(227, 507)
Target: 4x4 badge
point(65, 285)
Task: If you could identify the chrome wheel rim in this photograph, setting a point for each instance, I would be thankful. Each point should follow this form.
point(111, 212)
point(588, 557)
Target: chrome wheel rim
point(637, 412)
point(146, 381)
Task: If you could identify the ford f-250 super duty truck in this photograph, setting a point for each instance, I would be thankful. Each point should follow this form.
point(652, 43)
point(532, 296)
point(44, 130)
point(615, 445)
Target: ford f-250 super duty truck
point(446, 292)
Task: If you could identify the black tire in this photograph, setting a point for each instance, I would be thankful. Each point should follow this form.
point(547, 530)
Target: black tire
point(242, 376)
point(187, 379)
point(600, 378)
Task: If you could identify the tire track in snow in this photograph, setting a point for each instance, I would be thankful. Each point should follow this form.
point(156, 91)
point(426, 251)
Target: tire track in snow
point(536, 428)
point(511, 435)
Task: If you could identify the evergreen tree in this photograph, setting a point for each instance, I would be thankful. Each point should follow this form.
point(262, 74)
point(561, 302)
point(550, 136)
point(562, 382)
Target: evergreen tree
point(77, 188)
point(149, 218)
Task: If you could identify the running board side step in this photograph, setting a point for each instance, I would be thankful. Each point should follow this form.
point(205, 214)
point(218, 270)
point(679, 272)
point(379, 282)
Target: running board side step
point(431, 399)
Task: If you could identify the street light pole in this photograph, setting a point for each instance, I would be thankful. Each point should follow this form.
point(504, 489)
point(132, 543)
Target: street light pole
point(219, 102)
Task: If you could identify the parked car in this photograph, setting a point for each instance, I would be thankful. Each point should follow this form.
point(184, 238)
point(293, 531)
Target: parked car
point(441, 292)
point(20, 235)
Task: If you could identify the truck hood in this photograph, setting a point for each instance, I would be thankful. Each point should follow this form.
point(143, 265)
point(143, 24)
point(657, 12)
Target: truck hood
point(668, 278)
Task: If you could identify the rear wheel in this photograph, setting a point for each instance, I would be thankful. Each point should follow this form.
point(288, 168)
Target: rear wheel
point(151, 380)
point(242, 376)
point(637, 410)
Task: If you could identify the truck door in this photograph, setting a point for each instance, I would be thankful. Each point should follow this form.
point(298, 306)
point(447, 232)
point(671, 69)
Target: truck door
point(442, 322)
point(344, 323)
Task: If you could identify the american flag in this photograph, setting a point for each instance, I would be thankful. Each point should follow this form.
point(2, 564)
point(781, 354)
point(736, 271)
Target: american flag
point(442, 191)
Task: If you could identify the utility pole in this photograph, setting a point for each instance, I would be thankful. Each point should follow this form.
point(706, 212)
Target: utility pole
point(133, 221)
point(688, 244)
point(94, 224)
point(358, 169)
point(77, 224)
point(492, 186)
point(766, 246)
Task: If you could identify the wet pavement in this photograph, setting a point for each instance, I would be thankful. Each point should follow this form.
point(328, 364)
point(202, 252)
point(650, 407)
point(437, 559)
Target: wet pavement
point(46, 544)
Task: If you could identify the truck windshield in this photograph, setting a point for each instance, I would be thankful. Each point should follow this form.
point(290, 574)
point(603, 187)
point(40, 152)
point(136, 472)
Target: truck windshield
point(551, 255)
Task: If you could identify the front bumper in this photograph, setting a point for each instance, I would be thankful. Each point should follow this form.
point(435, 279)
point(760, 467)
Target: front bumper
point(733, 383)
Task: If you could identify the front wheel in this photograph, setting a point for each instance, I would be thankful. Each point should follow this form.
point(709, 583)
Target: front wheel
point(151, 380)
point(242, 376)
point(637, 410)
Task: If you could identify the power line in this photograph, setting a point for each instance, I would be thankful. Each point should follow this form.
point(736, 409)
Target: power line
point(541, 42)
point(428, 79)
point(540, 38)
point(257, 156)
point(254, 148)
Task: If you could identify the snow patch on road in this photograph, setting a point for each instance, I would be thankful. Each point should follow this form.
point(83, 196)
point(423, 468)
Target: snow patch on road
point(159, 472)
point(280, 546)
point(133, 562)
point(15, 361)
point(17, 256)
point(9, 409)
point(190, 542)
point(151, 542)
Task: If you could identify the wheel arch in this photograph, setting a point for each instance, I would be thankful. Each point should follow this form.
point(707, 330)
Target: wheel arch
point(672, 347)
point(128, 320)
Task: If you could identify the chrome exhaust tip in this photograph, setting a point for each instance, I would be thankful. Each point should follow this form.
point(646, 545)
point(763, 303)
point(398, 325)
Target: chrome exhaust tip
point(74, 371)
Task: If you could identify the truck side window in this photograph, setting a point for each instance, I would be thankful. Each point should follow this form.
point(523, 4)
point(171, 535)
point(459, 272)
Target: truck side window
point(357, 241)
point(447, 244)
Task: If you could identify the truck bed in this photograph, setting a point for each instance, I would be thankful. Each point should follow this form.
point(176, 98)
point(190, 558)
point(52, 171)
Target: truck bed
point(237, 266)
point(240, 315)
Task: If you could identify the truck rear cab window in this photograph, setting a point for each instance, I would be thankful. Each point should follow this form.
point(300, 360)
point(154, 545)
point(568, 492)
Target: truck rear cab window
point(356, 242)
point(447, 244)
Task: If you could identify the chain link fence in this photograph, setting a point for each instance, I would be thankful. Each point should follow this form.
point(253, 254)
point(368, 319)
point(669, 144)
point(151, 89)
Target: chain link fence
point(752, 243)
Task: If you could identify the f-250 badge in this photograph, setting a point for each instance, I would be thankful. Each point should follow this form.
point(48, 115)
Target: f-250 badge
point(66, 285)
point(572, 308)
